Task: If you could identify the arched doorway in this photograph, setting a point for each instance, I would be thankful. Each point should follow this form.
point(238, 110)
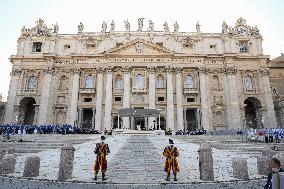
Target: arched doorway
point(27, 109)
point(253, 113)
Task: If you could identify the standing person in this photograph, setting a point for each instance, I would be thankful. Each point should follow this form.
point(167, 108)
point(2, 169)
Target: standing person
point(275, 166)
point(171, 153)
point(102, 150)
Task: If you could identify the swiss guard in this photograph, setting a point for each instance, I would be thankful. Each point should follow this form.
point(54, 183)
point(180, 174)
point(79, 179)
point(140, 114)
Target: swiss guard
point(171, 153)
point(102, 150)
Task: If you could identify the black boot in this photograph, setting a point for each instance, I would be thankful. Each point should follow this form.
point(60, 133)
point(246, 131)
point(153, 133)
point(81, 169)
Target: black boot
point(103, 176)
point(175, 177)
point(168, 177)
point(95, 177)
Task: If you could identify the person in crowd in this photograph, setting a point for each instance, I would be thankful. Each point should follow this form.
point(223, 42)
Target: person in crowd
point(275, 166)
point(171, 153)
point(101, 151)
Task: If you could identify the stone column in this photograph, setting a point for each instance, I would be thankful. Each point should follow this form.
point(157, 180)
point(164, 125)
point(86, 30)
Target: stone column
point(66, 163)
point(80, 117)
point(45, 96)
point(108, 99)
point(73, 113)
point(152, 95)
point(93, 118)
point(269, 118)
point(32, 165)
point(198, 117)
point(126, 95)
point(9, 113)
point(205, 103)
point(184, 119)
point(179, 98)
point(234, 116)
point(206, 163)
point(99, 100)
point(170, 100)
point(240, 168)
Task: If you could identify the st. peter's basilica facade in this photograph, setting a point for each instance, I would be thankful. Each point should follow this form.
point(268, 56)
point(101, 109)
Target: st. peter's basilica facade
point(194, 79)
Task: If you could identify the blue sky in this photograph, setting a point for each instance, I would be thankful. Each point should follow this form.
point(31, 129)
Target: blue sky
point(267, 15)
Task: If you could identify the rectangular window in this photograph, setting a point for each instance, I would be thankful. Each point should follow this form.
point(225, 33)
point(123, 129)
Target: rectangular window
point(161, 99)
point(88, 99)
point(190, 100)
point(243, 46)
point(37, 46)
point(117, 99)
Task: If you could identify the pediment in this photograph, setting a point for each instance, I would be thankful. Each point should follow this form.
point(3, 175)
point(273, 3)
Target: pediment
point(139, 47)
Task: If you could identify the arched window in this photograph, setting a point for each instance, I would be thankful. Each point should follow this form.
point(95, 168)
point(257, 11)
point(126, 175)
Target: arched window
point(118, 82)
point(139, 81)
point(215, 82)
point(160, 81)
point(188, 81)
point(32, 82)
point(89, 82)
point(248, 83)
point(63, 86)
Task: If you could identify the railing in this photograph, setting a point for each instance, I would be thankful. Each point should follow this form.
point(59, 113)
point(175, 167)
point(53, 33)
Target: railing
point(139, 90)
point(87, 90)
point(190, 90)
point(118, 90)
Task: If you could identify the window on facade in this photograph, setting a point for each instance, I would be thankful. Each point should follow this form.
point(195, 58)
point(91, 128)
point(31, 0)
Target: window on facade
point(63, 86)
point(243, 46)
point(161, 99)
point(89, 82)
point(160, 82)
point(139, 81)
point(32, 82)
point(88, 99)
point(188, 82)
point(66, 47)
point(215, 82)
point(37, 46)
point(118, 82)
point(248, 83)
point(118, 99)
point(190, 100)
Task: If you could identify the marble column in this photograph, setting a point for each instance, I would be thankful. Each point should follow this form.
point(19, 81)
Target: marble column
point(269, 116)
point(184, 119)
point(10, 117)
point(170, 100)
point(108, 99)
point(99, 100)
point(234, 117)
point(205, 103)
point(198, 118)
point(73, 113)
point(179, 98)
point(126, 95)
point(152, 95)
point(93, 118)
point(45, 96)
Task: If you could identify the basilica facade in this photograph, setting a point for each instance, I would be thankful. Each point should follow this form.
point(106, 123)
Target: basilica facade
point(195, 79)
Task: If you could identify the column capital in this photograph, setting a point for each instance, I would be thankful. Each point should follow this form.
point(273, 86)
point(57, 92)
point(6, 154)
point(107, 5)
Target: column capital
point(169, 70)
point(230, 70)
point(151, 69)
point(126, 69)
point(178, 70)
point(203, 70)
point(75, 71)
point(264, 72)
point(108, 70)
point(48, 70)
point(16, 72)
point(99, 70)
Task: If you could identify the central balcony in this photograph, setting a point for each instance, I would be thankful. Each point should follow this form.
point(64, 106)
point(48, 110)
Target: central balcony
point(139, 90)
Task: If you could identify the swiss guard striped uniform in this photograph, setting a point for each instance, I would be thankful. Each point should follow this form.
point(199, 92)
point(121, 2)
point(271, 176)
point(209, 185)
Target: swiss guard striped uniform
point(102, 150)
point(171, 153)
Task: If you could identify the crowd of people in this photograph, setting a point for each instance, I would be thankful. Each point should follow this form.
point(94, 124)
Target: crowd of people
point(195, 132)
point(266, 135)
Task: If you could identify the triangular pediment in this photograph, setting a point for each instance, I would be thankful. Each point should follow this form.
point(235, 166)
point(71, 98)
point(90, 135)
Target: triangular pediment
point(139, 47)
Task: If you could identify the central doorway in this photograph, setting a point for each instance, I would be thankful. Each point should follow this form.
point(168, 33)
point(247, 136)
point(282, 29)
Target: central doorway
point(139, 123)
point(87, 118)
point(253, 113)
point(27, 111)
point(190, 120)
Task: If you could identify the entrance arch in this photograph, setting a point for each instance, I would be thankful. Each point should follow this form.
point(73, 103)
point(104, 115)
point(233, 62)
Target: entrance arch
point(27, 111)
point(253, 113)
point(115, 122)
